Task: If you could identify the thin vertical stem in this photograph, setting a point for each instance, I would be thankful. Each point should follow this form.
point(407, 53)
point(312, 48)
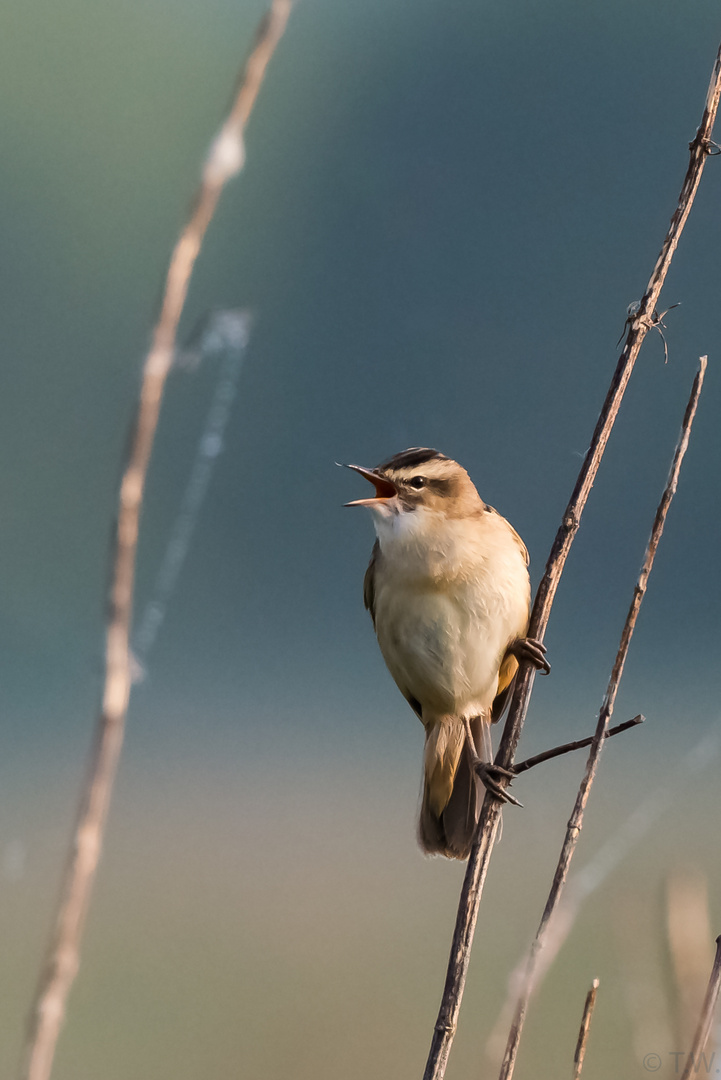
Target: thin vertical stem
point(471, 892)
point(588, 1008)
point(224, 160)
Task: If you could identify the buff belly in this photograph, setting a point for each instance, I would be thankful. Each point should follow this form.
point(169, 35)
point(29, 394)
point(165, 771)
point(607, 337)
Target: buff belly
point(444, 647)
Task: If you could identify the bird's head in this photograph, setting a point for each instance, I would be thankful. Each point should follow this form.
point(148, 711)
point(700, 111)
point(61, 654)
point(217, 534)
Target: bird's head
point(419, 478)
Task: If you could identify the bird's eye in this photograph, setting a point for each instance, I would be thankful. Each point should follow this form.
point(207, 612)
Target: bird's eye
point(417, 482)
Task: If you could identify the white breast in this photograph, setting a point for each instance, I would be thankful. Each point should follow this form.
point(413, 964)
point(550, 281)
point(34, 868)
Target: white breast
point(450, 596)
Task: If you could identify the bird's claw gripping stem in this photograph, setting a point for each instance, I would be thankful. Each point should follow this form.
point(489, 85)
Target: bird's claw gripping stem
point(487, 773)
point(532, 650)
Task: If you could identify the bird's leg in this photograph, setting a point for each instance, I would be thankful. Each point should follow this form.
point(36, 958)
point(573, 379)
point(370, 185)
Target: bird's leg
point(487, 771)
point(533, 651)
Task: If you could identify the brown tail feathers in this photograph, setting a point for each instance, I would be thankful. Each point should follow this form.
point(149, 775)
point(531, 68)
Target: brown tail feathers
point(452, 793)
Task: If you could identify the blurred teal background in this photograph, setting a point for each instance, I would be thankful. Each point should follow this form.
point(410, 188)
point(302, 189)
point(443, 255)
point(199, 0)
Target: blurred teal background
point(445, 212)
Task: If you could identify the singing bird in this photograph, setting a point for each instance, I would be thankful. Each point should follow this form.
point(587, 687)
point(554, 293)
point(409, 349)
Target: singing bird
point(449, 594)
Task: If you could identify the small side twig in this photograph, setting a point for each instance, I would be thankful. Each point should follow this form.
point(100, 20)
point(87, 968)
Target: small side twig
point(706, 1019)
point(569, 747)
point(655, 322)
point(224, 160)
point(479, 859)
point(575, 823)
point(588, 1008)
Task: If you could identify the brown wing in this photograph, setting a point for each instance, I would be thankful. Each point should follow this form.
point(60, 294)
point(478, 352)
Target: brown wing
point(506, 679)
point(369, 583)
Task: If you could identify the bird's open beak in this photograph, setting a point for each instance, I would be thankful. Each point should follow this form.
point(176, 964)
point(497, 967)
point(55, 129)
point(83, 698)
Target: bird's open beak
point(385, 489)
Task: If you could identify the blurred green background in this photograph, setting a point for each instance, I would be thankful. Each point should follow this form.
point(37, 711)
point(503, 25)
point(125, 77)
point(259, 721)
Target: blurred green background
point(445, 212)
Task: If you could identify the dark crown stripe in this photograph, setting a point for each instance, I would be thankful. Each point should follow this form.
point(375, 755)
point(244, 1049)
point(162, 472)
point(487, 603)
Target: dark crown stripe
point(408, 459)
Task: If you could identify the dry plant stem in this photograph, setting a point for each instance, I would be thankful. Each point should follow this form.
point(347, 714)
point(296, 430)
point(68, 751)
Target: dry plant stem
point(569, 747)
point(224, 160)
point(575, 823)
point(706, 1019)
point(588, 1008)
point(479, 858)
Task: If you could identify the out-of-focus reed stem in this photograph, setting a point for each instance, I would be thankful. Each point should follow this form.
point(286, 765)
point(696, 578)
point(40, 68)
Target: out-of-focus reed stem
point(224, 160)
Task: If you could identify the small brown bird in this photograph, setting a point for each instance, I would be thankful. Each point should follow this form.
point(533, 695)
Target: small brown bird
point(448, 590)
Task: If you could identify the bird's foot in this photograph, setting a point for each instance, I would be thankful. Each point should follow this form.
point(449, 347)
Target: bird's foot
point(489, 774)
point(533, 651)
